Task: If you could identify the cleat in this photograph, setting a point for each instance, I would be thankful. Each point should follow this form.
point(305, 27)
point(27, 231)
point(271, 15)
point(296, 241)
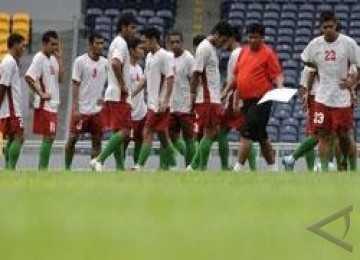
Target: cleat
point(288, 163)
point(95, 165)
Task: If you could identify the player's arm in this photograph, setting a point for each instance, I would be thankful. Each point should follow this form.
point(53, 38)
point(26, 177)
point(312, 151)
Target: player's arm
point(201, 57)
point(194, 83)
point(117, 61)
point(2, 93)
point(168, 70)
point(141, 86)
point(274, 70)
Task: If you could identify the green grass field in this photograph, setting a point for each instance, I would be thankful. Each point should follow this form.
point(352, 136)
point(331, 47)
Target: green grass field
point(157, 215)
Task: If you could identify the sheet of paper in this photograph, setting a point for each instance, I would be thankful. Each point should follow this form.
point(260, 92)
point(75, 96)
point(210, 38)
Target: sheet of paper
point(278, 94)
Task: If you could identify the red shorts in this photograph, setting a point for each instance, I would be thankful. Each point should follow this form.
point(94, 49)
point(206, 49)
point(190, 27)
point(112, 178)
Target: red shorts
point(11, 125)
point(157, 121)
point(137, 130)
point(116, 115)
point(87, 124)
point(182, 121)
point(232, 120)
point(208, 115)
point(310, 127)
point(332, 119)
point(44, 122)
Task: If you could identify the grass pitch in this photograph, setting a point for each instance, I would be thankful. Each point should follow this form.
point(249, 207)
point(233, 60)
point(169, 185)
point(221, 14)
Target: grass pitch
point(158, 215)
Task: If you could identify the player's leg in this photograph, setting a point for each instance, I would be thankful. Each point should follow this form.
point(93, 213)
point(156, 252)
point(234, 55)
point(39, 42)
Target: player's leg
point(49, 121)
point(95, 145)
point(252, 157)
point(146, 146)
point(70, 150)
point(45, 151)
point(352, 152)
point(223, 148)
point(7, 150)
point(15, 149)
point(138, 139)
point(188, 133)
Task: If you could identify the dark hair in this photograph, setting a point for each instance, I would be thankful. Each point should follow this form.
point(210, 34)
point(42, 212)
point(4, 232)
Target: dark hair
point(223, 29)
point(198, 38)
point(236, 33)
point(125, 20)
point(151, 33)
point(13, 39)
point(93, 36)
point(133, 42)
point(327, 16)
point(49, 34)
point(176, 33)
point(256, 28)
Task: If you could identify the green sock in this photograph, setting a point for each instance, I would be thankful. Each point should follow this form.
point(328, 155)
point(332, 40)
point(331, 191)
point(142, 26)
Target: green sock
point(180, 146)
point(204, 149)
point(169, 156)
point(252, 157)
point(223, 149)
point(195, 163)
point(144, 154)
point(45, 151)
point(68, 160)
point(7, 150)
point(190, 151)
point(310, 159)
point(324, 164)
point(119, 155)
point(308, 143)
point(137, 149)
point(14, 153)
point(353, 163)
point(112, 146)
point(162, 159)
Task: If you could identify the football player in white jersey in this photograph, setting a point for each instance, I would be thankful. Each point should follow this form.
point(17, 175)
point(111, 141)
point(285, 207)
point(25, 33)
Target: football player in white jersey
point(181, 116)
point(207, 96)
point(117, 105)
point(159, 80)
point(331, 54)
point(11, 121)
point(44, 75)
point(138, 105)
point(88, 78)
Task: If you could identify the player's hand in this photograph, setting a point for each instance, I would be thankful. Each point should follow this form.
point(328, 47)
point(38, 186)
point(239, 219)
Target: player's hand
point(58, 53)
point(45, 96)
point(77, 115)
point(192, 98)
point(163, 106)
point(100, 102)
point(224, 94)
point(348, 83)
point(304, 100)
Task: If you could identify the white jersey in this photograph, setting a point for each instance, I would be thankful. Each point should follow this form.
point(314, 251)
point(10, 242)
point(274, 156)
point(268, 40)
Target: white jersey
point(332, 61)
point(304, 79)
point(92, 77)
point(10, 78)
point(138, 105)
point(118, 50)
point(45, 72)
point(180, 97)
point(158, 67)
point(207, 62)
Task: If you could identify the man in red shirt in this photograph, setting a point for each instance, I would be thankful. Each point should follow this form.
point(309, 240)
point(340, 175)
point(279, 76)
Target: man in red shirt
point(256, 70)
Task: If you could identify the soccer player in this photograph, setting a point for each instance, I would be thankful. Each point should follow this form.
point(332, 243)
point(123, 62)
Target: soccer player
point(331, 54)
point(207, 96)
point(117, 106)
point(11, 121)
point(232, 117)
point(255, 72)
point(159, 69)
point(88, 78)
point(44, 75)
point(181, 118)
point(138, 105)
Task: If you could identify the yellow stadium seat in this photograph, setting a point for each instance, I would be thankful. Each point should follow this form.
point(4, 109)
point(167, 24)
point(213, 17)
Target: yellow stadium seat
point(3, 38)
point(3, 51)
point(21, 24)
point(4, 18)
point(4, 28)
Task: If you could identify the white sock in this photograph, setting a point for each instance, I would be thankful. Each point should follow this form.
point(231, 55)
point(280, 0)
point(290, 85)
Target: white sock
point(273, 167)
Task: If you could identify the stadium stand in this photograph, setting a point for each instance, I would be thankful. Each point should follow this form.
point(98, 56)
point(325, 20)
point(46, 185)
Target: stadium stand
point(4, 32)
point(290, 25)
point(102, 15)
point(21, 24)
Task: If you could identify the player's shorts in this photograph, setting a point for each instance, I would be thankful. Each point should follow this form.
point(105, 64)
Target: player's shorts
point(256, 119)
point(310, 128)
point(44, 122)
point(137, 130)
point(12, 125)
point(208, 115)
point(116, 115)
point(232, 120)
point(87, 124)
point(332, 119)
point(158, 121)
point(182, 121)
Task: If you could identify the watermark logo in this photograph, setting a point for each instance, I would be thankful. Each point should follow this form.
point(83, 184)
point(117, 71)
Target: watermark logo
point(345, 213)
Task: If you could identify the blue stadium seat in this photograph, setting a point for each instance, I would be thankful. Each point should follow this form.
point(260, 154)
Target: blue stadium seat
point(354, 32)
point(156, 21)
point(305, 24)
point(238, 6)
point(286, 32)
point(324, 7)
point(269, 39)
point(288, 15)
point(254, 15)
point(299, 114)
point(289, 8)
point(302, 40)
point(273, 7)
point(236, 22)
point(271, 23)
point(342, 8)
point(287, 24)
point(236, 15)
point(307, 8)
point(304, 32)
point(316, 2)
point(130, 10)
point(284, 48)
point(281, 114)
point(271, 15)
point(255, 7)
point(147, 13)
point(91, 15)
point(355, 24)
point(290, 65)
point(274, 122)
point(291, 122)
point(283, 56)
point(112, 13)
point(285, 40)
point(306, 16)
point(299, 47)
